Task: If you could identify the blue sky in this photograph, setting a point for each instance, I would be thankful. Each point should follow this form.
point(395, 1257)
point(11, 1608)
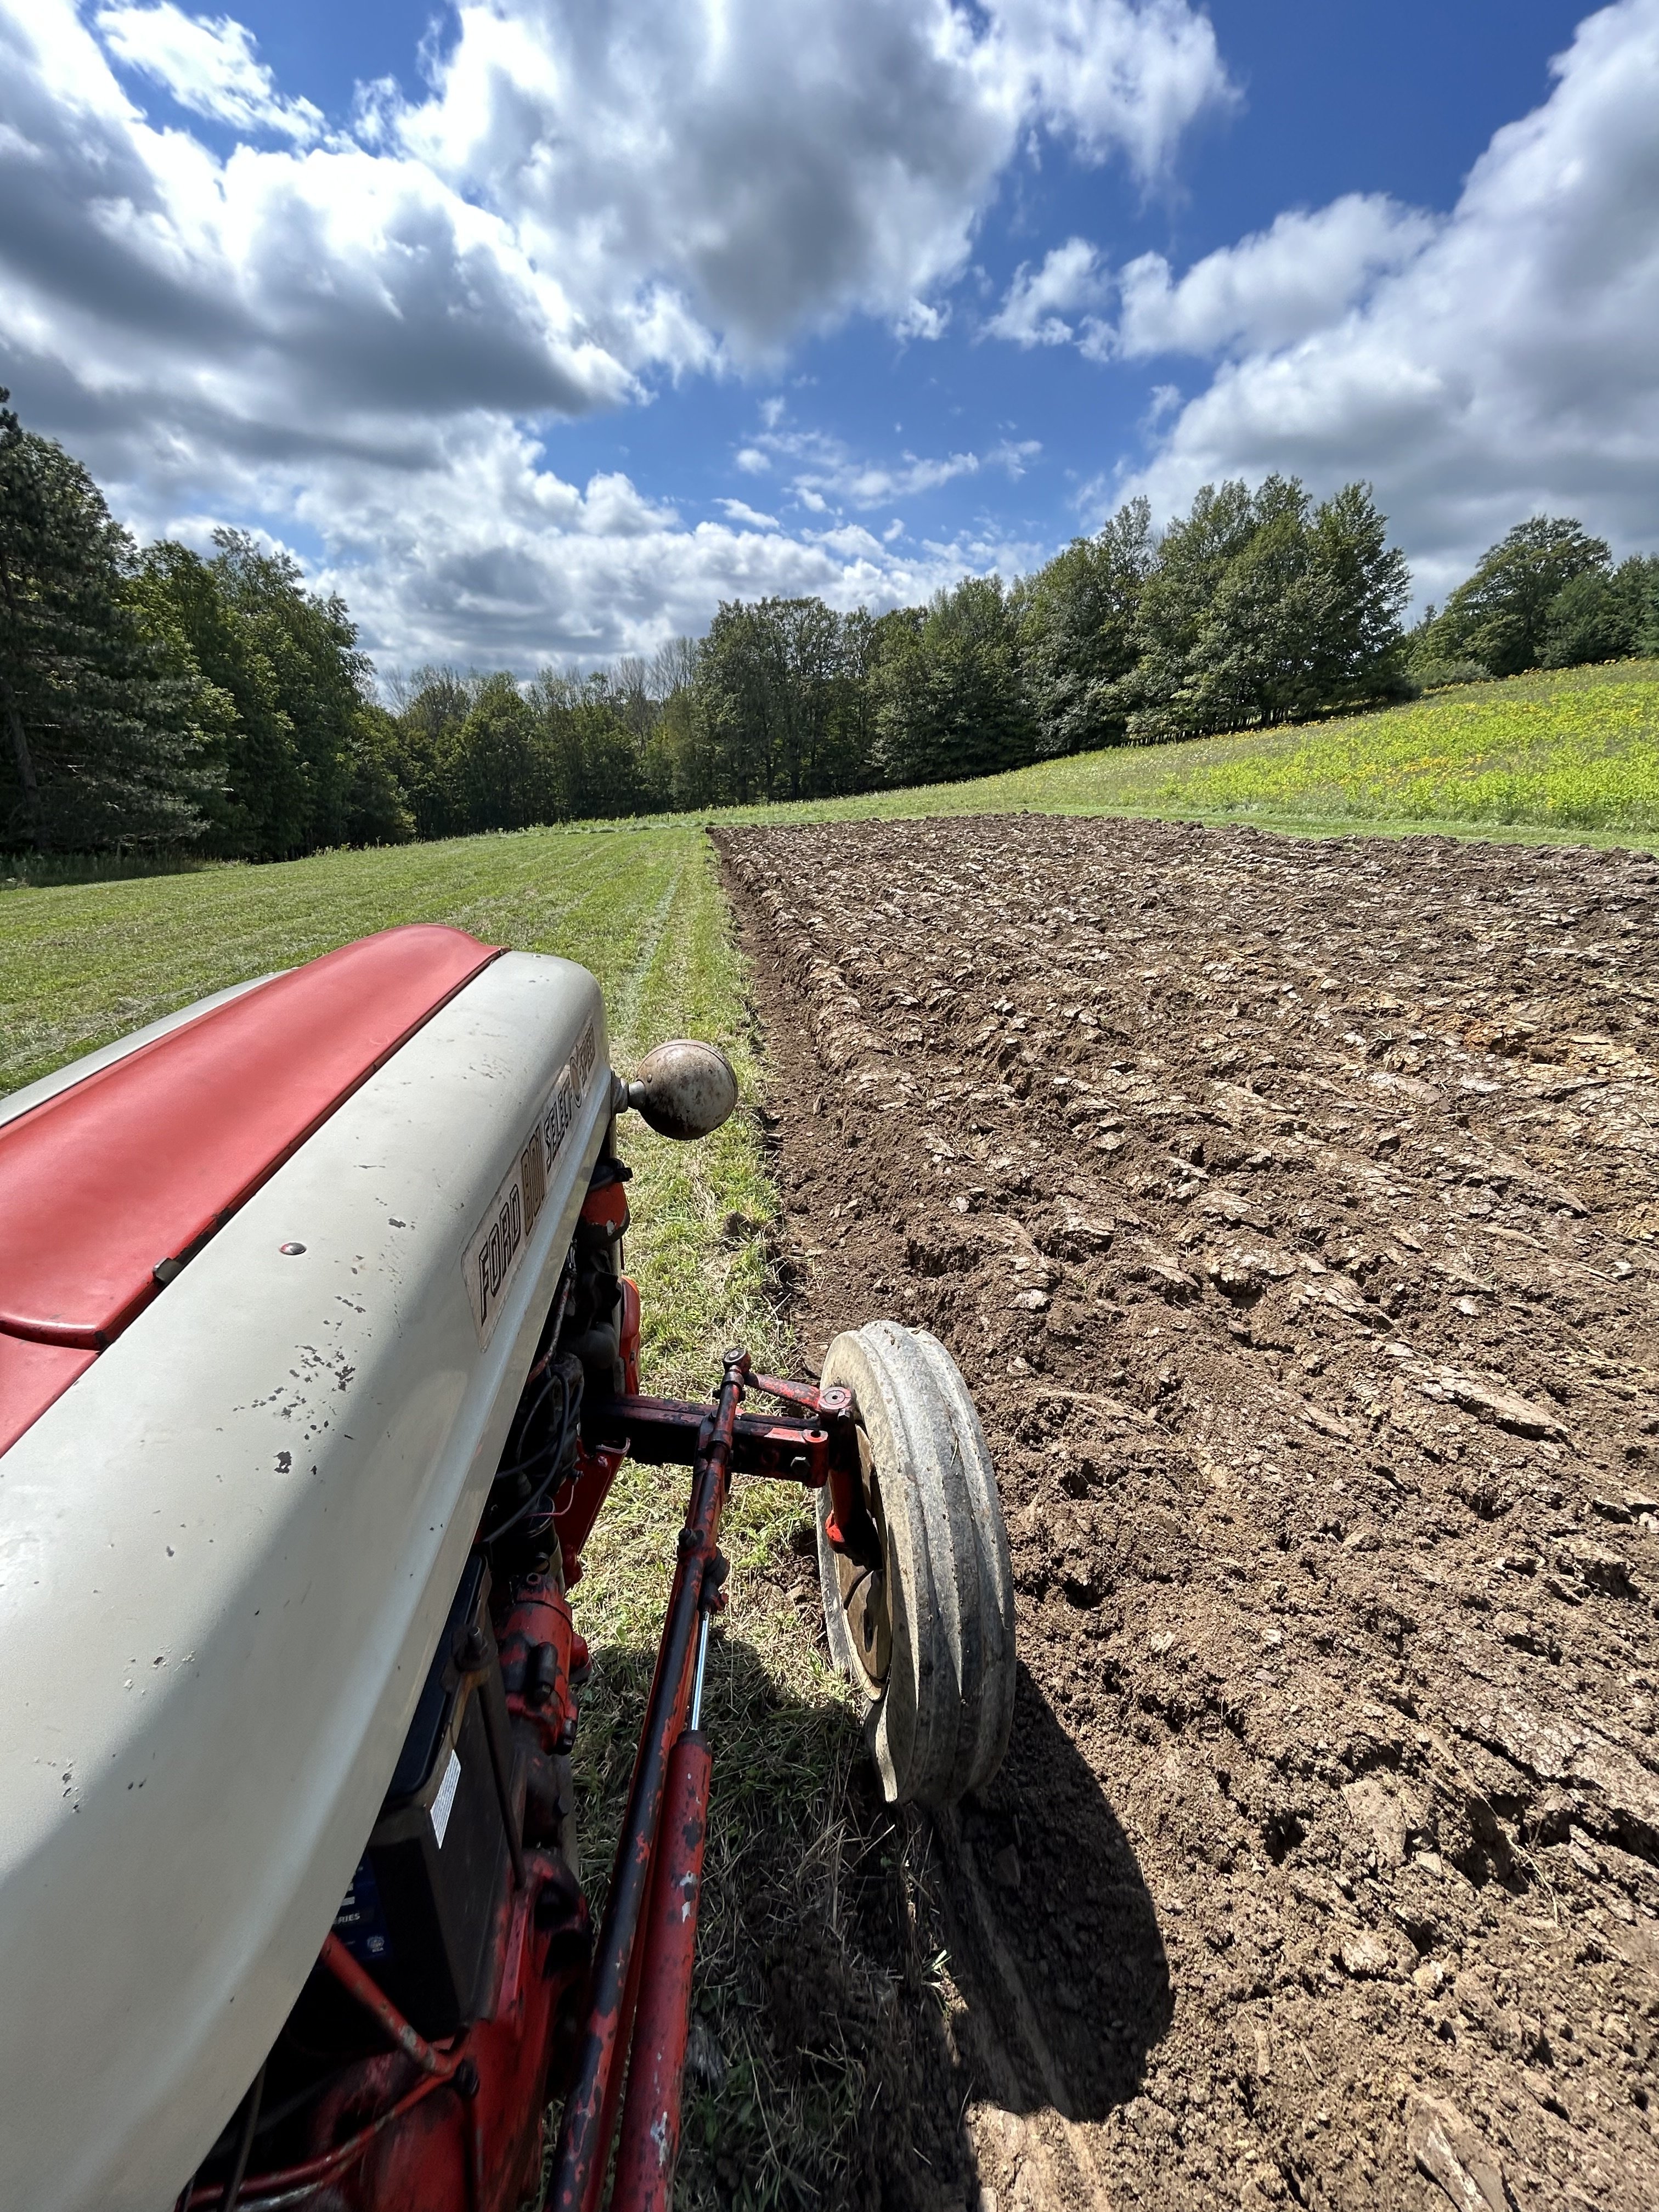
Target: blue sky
point(538, 327)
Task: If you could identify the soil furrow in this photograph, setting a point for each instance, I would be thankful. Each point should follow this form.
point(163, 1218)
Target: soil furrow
point(1290, 1207)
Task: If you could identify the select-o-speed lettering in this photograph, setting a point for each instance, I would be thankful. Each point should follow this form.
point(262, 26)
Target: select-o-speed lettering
point(493, 1256)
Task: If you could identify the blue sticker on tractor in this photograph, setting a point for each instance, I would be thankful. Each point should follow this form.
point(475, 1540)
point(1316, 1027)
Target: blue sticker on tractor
point(360, 1924)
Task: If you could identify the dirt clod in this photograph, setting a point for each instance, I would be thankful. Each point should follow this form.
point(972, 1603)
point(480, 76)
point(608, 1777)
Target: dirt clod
point(1290, 1208)
point(1449, 2151)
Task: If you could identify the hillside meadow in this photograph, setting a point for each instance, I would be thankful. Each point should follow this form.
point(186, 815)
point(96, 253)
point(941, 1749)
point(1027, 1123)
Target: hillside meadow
point(1571, 752)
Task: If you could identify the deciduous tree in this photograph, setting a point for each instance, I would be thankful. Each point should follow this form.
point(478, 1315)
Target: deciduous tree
point(1079, 637)
point(1500, 615)
point(1600, 616)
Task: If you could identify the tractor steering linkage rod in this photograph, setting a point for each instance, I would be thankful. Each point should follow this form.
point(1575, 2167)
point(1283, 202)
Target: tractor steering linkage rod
point(590, 2111)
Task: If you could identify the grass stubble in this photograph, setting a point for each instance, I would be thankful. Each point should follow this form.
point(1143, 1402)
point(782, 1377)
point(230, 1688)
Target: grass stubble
point(758, 2130)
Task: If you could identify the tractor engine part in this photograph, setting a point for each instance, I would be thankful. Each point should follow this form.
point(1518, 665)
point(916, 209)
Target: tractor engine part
point(418, 1913)
point(318, 1362)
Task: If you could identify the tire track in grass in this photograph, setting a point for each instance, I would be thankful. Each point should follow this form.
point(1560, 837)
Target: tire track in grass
point(623, 1004)
point(706, 1207)
point(779, 1719)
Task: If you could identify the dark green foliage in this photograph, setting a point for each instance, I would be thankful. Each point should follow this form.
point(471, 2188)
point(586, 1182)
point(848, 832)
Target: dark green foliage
point(1080, 636)
point(1437, 675)
point(779, 710)
point(309, 759)
point(1601, 616)
point(1193, 560)
point(1501, 615)
point(1547, 596)
point(378, 812)
point(431, 707)
point(1262, 608)
point(501, 771)
point(167, 698)
point(320, 680)
point(474, 752)
point(597, 730)
point(107, 729)
point(261, 812)
point(1358, 653)
point(741, 679)
point(951, 700)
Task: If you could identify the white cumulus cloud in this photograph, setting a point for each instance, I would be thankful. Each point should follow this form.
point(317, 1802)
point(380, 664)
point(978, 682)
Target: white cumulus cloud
point(1274, 286)
point(786, 164)
point(1114, 75)
point(1507, 364)
point(484, 554)
point(1271, 288)
point(1040, 299)
point(747, 517)
point(350, 323)
point(209, 65)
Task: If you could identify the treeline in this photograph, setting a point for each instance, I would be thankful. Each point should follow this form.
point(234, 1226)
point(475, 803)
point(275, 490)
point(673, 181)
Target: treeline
point(1258, 606)
point(157, 697)
point(1547, 596)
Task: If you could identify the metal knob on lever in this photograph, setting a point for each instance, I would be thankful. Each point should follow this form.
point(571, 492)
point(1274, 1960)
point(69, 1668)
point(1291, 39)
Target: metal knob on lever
point(683, 1090)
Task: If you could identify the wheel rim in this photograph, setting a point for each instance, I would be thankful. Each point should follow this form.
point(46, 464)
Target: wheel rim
point(865, 1601)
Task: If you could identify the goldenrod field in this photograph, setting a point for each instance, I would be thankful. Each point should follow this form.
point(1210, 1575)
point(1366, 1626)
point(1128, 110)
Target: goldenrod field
point(1569, 750)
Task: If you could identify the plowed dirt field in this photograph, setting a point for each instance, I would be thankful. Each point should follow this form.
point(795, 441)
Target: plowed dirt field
point(1291, 1208)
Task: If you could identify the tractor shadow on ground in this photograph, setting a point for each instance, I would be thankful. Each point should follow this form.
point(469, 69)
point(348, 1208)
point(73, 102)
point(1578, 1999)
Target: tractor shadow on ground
point(1054, 1943)
point(822, 2053)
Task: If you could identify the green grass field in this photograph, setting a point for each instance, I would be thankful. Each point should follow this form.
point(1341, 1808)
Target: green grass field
point(1570, 756)
point(1571, 750)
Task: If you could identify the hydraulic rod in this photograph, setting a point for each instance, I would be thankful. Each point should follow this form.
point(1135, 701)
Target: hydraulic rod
point(651, 2118)
point(590, 2109)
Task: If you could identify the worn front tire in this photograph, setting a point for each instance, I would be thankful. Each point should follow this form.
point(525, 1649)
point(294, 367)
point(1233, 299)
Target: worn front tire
point(929, 1636)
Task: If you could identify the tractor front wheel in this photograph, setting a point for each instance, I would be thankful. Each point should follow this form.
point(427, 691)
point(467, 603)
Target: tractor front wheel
point(928, 1635)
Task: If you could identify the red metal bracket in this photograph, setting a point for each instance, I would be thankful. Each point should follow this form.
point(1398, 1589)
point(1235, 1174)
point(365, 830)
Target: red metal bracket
point(416, 2149)
point(590, 2111)
point(671, 1432)
point(650, 2144)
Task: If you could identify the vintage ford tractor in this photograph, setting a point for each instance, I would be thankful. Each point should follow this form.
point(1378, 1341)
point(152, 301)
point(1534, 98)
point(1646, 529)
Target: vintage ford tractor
point(317, 1363)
